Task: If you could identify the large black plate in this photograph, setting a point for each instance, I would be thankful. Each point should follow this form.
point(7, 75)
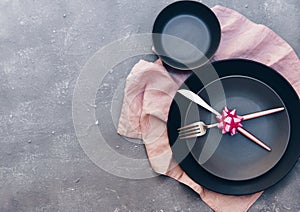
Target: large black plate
point(280, 163)
point(197, 31)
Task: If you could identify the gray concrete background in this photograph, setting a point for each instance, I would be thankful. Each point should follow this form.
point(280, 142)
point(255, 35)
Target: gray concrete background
point(44, 45)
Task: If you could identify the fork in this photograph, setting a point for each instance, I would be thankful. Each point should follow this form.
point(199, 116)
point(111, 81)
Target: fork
point(199, 128)
point(194, 130)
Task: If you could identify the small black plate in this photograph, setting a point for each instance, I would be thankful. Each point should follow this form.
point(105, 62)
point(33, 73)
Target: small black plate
point(197, 31)
point(245, 82)
point(236, 157)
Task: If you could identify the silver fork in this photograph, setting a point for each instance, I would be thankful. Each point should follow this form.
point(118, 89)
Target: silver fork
point(194, 130)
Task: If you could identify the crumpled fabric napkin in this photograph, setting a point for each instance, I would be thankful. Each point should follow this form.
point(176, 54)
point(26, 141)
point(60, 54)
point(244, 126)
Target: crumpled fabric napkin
point(150, 89)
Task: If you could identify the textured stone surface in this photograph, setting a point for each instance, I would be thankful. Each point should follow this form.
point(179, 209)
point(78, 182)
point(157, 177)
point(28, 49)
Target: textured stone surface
point(44, 45)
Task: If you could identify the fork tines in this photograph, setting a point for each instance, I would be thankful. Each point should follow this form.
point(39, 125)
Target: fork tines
point(191, 134)
point(188, 126)
point(190, 131)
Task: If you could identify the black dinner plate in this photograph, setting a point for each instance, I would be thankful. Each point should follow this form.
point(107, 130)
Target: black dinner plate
point(238, 166)
point(196, 28)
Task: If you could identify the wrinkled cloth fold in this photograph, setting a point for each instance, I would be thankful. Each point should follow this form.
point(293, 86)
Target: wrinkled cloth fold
point(150, 89)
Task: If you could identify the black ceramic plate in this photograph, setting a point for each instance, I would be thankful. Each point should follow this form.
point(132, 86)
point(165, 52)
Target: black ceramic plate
point(235, 157)
point(192, 22)
point(239, 166)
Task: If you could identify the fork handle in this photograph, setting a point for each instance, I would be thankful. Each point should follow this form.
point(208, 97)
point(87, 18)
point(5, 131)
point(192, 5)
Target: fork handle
point(253, 138)
point(211, 125)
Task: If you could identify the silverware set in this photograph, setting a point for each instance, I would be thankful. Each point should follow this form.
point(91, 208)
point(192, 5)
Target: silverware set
point(199, 128)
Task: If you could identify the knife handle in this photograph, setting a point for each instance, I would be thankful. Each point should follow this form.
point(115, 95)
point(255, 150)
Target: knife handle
point(253, 138)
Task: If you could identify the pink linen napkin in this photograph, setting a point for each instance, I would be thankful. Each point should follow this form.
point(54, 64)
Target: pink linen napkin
point(150, 89)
